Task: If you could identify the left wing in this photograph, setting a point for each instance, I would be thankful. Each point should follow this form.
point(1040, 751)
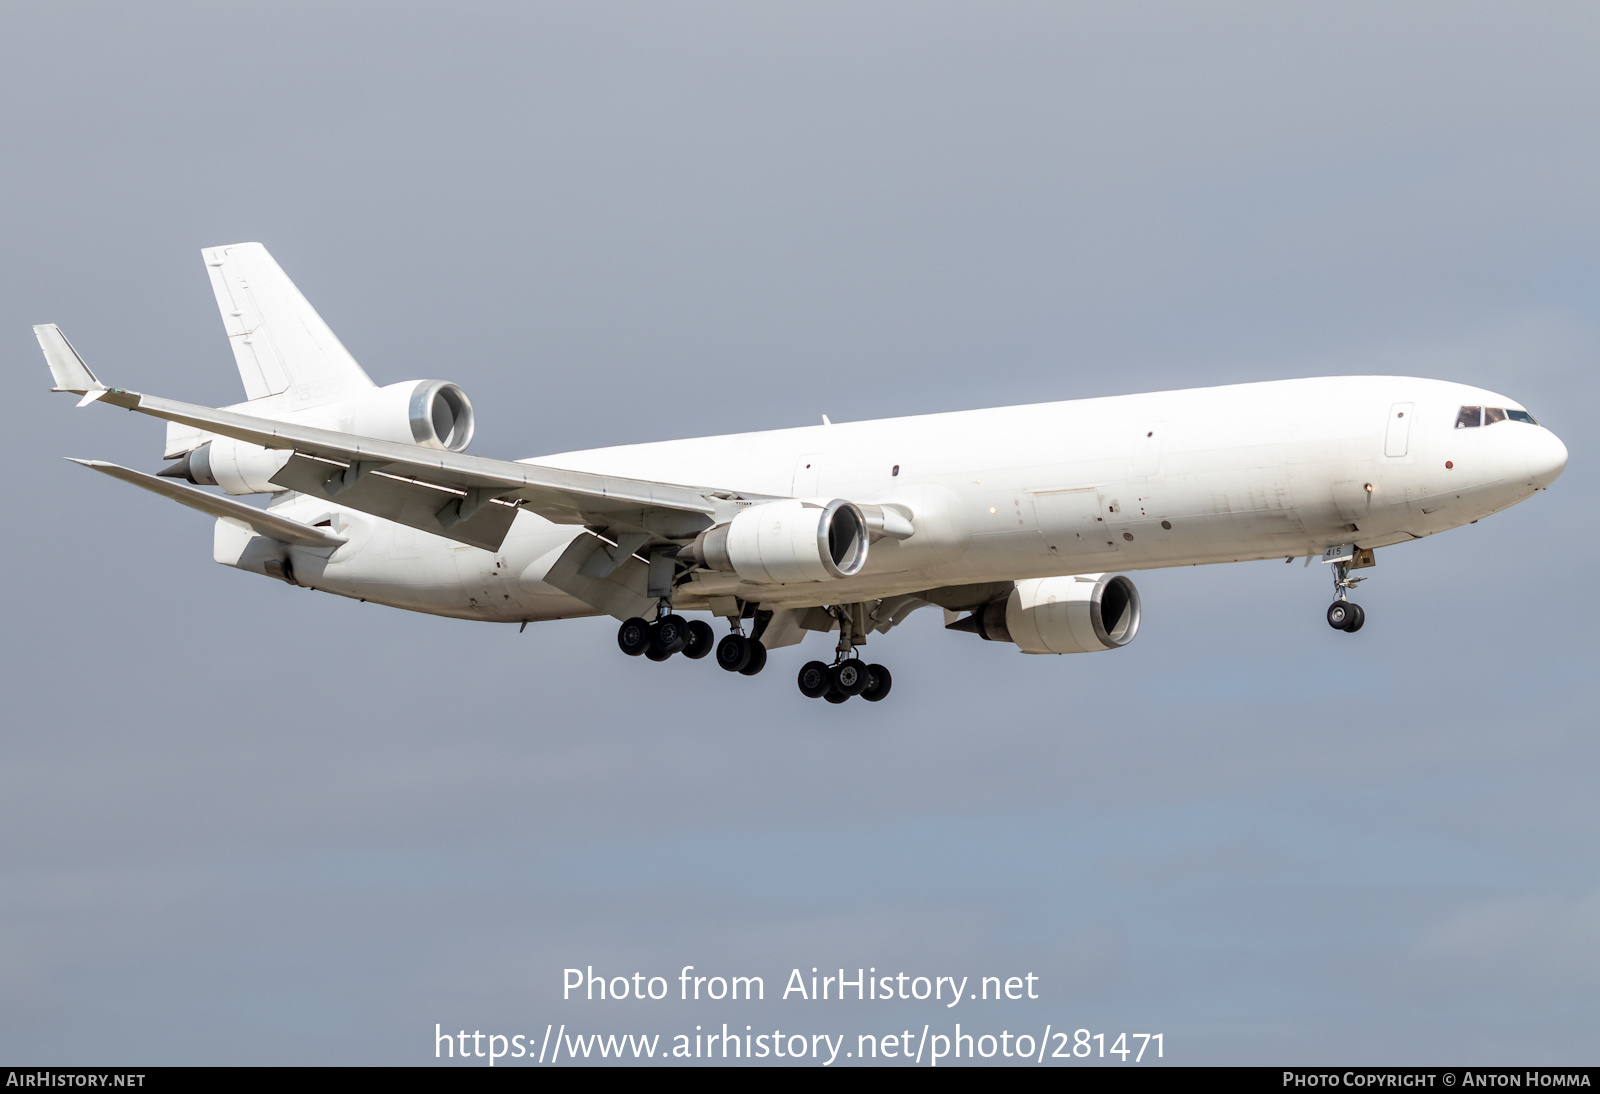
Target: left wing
point(264, 521)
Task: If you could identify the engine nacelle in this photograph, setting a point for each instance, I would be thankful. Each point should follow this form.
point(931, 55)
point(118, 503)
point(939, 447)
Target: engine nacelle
point(430, 413)
point(780, 542)
point(1083, 614)
point(237, 467)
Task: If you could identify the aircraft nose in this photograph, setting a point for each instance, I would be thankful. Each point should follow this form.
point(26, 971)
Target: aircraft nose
point(1547, 457)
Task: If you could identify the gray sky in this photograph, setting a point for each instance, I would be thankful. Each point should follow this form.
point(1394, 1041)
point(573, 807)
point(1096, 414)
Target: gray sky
point(245, 823)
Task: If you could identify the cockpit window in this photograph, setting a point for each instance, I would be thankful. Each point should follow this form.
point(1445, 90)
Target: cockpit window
point(1471, 417)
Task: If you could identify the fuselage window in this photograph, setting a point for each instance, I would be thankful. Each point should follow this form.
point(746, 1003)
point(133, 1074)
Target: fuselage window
point(1492, 414)
point(1470, 417)
point(1521, 416)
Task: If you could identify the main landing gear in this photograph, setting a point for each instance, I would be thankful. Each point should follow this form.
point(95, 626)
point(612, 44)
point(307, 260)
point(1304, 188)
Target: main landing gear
point(736, 653)
point(845, 679)
point(848, 676)
point(666, 636)
point(1343, 614)
point(671, 634)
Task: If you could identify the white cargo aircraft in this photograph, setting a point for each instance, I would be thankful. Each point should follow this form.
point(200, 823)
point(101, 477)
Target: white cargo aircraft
point(1009, 519)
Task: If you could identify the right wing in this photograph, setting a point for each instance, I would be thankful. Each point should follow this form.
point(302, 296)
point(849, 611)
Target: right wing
point(467, 498)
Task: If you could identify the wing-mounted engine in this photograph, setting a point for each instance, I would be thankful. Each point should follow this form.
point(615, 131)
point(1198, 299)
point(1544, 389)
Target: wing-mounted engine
point(781, 542)
point(427, 413)
point(1082, 614)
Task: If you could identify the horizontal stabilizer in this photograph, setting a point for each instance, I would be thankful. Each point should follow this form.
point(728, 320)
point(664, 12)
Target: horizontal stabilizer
point(264, 522)
point(66, 367)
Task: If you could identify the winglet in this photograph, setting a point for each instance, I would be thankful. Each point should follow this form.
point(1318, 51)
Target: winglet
point(66, 367)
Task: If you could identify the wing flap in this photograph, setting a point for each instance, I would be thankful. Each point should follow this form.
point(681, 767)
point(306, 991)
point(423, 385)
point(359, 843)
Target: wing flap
point(417, 505)
point(623, 592)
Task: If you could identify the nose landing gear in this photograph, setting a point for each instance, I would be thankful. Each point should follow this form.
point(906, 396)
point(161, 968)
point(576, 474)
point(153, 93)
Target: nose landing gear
point(1343, 614)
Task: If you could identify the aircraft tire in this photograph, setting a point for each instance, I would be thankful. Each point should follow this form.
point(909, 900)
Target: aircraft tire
point(1339, 615)
point(815, 680)
point(670, 634)
point(758, 658)
point(879, 681)
point(1358, 618)
point(701, 640)
point(733, 652)
point(633, 637)
point(850, 676)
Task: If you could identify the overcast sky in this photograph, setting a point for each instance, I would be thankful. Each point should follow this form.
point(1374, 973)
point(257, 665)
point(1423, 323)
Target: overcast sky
point(243, 823)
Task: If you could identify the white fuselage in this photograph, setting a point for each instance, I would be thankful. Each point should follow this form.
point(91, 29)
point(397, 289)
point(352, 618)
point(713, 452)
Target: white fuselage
point(1172, 478)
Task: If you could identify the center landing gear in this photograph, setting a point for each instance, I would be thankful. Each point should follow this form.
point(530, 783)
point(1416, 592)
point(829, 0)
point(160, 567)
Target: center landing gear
point(746, 656)
point(1343, 615)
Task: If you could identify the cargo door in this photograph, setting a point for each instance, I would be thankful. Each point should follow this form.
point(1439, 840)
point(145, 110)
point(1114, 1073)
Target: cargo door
point(807, 474)
point(1147, 449)
point(1073, 522)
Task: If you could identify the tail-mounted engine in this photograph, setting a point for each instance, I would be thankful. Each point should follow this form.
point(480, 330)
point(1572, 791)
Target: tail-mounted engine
point(430, 413)
point(1082, 614)
point(780, 542)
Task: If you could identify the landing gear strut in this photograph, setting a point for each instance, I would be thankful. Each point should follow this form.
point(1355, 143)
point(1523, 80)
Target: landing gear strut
point(1343, 614)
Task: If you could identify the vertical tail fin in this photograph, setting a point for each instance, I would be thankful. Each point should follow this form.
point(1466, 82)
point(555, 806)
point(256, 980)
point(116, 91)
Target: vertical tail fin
point(288, 358)
point(281, 344)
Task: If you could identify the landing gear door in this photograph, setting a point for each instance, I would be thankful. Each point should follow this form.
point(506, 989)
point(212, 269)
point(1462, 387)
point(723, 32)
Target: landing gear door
point(1397, 438)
